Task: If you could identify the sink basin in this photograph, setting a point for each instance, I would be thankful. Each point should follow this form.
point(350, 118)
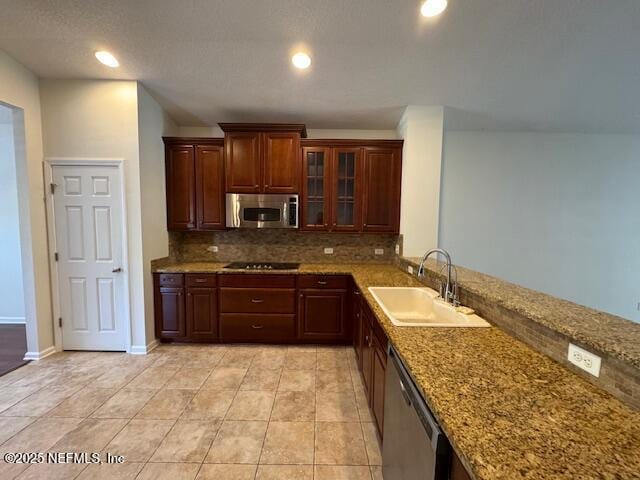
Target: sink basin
point(421, 307)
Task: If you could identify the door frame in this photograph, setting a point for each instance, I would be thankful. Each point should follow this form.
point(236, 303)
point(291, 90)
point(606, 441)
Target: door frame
point(49, 163)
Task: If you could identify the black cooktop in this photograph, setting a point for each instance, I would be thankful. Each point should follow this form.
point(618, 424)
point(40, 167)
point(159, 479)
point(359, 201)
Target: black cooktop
point(262, 266)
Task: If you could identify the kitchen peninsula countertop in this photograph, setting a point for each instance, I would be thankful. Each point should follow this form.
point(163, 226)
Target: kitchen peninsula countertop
point(509, 412)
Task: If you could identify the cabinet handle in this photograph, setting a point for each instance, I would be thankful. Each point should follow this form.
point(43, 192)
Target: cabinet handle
point(257, 327)
point(257, 300)
point(200, 280)
point(321, 282)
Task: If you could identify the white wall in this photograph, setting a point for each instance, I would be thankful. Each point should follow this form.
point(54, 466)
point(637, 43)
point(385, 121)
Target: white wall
point(153, 124)
point(19, 88)
point(99, 119)
point(11, 289)
point(422, 131)
point(554, 212)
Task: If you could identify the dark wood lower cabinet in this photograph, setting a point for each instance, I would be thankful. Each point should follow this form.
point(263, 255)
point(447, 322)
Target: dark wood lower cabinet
point(170, 317)
point(321, 316)
point(202, 313)
point(267, 328)
point(378, 371)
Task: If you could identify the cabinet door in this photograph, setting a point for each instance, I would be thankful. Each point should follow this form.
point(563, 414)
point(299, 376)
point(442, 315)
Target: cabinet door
point(381, 196)
point(356, 312)
point(180, 182)
point(243, 167)
point(202, 321)
point(281, 155)
point(315, 188)
point(377, 384)
point(345, 191)
point(170, 318)
point(321, 316)
point(210, 187)
point(367, 354)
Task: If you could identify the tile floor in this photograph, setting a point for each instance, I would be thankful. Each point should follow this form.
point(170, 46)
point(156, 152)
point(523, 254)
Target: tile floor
point(194, 412)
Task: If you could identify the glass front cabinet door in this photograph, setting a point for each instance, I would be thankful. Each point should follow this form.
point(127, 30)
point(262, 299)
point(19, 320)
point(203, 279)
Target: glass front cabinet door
point(345, 189)
point(315, 188)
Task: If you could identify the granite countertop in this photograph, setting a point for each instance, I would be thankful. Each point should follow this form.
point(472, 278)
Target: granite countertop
point(509, 411)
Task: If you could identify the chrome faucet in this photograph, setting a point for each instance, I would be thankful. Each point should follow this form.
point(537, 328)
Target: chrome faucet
point(450, 292)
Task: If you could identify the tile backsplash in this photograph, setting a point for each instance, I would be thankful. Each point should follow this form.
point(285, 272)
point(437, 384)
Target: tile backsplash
point(281, 246)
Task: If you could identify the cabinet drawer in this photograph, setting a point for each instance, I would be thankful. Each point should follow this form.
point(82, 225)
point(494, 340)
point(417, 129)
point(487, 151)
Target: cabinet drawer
point(200, 280)
point(257, 327)
point(257, 300)
point(335, 282)
point(258, 280)
point(171, 279)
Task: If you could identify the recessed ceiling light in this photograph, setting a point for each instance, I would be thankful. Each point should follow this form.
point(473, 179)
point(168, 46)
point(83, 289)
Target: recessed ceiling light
point(107, 59)
point(301, 60)
point(433, 8)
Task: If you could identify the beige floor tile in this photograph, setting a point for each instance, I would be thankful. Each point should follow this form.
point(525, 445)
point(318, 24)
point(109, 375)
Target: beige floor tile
point(39, 403)
point(124, 404)
point(294, 406)
point(169, 471)
point(371, 443)
point(117, 378)
point(40, 435)
point(9, 426)
point(116, 471)
point(339, 443)
point(11, 470)
point(153, 378)
point(139, 439)
point(288, 443)
point(237, 358)
point(269, 359)
point(83, 403)
point(15, 375)
point(284, 472)
point(51, 471)
point(300, 360)
point(333, 472)
point(363, 406)
point(331, 360)
point(297, 381)
point(261, 379)
point(166, 404)
point(11, 395)
point(237, 442)
point(336, 407)
point(334, 381)
point(376, 472)
point(92, 435)
point(227, 472)
point(251, 405)
point(208, 358)
point(225, 378)
point(189, 378)
point(188, 441)
point(209, 404)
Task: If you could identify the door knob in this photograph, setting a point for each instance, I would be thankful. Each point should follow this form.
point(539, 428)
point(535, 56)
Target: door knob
point(117, 270)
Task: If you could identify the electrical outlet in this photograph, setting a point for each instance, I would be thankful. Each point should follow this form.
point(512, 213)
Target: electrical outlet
point(410, 270)
point(587, 361)
point(328, 251)
point(213, 249)
point(398, 251)
point(379, 251)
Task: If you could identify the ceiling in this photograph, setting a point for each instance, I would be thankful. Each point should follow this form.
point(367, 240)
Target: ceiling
point(543, 65)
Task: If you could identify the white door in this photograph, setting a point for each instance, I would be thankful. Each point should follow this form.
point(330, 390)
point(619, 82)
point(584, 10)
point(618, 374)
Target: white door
point(88, 213)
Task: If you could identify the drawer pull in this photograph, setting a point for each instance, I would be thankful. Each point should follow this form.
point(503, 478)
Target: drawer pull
point(321, 282)
point(200, 280)
point(257, 327)
point(257, 300)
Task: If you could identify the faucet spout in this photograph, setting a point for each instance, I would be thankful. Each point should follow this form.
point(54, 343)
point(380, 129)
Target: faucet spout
point(448, 291)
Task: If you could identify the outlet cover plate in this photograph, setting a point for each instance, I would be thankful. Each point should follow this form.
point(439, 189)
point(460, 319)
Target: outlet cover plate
point(587, 361)
point(410, 270)
point(328, 251)
point(379, 251)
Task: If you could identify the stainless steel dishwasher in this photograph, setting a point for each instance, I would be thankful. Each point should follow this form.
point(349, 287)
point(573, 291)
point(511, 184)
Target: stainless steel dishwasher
point(414, 447)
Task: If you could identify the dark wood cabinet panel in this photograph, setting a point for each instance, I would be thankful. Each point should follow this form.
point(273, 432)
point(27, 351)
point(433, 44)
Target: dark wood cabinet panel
point(356, 315)
point(281, 159)
point(257, 300)
point(321, 316)
point(458, 472)
point(243, 165)
point(209, 178)
point(180, 185)
point(377, 383)
point(346, 195)
point(316, 189)
point(169, 312)
point(258, 280)
point(202, 313)
point(381, 192)
point(367, 351)
point(244, 327)
point(334, 282)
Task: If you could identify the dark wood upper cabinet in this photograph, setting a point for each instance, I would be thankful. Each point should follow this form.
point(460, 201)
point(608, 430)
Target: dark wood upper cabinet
point(346, 196)
point(316, 187)
point(180, 184)
point(262, 158)
point(381, 192)
point(209, 179)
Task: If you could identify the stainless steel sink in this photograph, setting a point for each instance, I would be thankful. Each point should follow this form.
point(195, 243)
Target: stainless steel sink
point(421, 307)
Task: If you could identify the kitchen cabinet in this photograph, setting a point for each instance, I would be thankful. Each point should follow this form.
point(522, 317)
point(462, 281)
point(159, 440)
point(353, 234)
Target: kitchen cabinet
point(169, 306)
point(322, 309)
point(194, 176)
point(356, 318)
point(378, 371)
point(262, 158)
point(201, 307)
point(351, 185)
point(457, 470)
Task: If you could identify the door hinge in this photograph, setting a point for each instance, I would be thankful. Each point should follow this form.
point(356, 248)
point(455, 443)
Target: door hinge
point(55, 256)
point(60, 322)
point(53, 188)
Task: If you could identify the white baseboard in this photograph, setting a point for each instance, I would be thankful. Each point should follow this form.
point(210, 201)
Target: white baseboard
point(143, 349)
point(12, 320)
point(40, 355)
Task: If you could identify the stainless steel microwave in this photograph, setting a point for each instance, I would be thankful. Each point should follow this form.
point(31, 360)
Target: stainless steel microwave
point(250, 210)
